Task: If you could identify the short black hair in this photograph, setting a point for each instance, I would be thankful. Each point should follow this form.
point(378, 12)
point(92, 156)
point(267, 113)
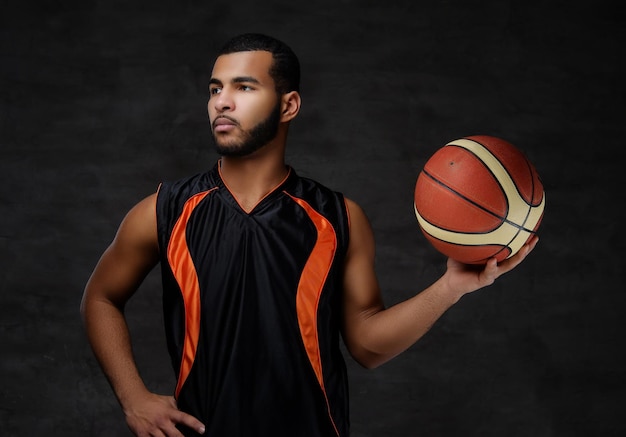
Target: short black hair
point(285, 69)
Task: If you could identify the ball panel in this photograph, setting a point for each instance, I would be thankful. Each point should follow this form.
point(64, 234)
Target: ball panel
point(517, 165)
point(469, 254)
point(462, 171)
point(520, 239)
point(536, 227)
point(538, 191)
point(518, 207)
point(502, 235)
point(447, 210)
point(534, 217)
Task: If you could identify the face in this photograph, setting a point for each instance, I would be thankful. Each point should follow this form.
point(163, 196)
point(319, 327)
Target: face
point(244, 107)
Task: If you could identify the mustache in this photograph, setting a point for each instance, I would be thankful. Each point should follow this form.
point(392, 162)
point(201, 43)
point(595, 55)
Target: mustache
point(224, 117)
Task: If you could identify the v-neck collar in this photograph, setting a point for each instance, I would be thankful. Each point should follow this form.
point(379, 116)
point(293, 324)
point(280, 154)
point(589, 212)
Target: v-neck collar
point(273, 193)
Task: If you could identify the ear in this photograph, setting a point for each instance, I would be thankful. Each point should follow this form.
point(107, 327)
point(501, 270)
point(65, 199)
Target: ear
point(290, 106)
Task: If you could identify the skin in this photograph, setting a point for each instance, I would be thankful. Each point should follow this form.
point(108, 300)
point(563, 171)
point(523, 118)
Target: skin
point(242, 97)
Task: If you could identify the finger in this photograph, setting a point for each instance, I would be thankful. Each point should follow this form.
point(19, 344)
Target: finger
point(189, 421)
point(490, 272)
point(172, 431)
point(172, 401)
point(516, 259)
point(527, 248)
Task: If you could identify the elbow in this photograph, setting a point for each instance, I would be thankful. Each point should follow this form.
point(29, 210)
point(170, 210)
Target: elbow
point(368, 359)
point(370, 364)
point(365, 353)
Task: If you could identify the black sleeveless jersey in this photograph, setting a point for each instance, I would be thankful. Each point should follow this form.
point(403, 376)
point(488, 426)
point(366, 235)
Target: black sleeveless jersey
point(252, 306)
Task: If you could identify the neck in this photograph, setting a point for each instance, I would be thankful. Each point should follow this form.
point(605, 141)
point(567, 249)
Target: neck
point(251, 178)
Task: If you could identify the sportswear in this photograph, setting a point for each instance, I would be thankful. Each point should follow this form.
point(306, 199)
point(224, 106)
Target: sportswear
point(252, 306)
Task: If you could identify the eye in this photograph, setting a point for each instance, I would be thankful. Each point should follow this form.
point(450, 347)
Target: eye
point(214, 90)
point(246, 88)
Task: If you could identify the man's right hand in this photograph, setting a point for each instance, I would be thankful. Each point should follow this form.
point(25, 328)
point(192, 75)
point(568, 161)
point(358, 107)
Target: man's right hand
point(155, 415)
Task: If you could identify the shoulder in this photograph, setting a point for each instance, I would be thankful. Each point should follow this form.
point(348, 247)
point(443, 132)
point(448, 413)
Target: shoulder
point(318, 194)
point(143, 211)
point(354, 209)
point(138, 228)
point(356, 214)
point(361, 234)
point(189, 184)
point(307, 184)
point(172, 194)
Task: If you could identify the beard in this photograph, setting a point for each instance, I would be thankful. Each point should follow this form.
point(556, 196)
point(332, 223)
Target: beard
point(253, 139)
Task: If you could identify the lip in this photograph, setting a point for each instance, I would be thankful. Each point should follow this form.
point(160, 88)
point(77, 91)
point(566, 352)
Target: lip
point(222, 124)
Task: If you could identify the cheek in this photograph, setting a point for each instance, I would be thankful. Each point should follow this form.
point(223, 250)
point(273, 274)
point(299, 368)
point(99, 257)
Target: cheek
point(210, 111)
point(263, 108)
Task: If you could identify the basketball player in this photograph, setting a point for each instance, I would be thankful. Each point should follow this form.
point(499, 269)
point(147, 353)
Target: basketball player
point(263, 271)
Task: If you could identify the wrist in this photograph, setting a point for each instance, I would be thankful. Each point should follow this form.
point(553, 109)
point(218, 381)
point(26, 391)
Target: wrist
point(131, 397)
point(446, 291)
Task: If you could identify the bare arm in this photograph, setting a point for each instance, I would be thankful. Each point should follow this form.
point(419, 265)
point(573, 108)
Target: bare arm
point(375, 334)
point(118, 274)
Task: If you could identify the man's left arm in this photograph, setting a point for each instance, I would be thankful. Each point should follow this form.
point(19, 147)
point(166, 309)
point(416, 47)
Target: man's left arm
point(374, 334)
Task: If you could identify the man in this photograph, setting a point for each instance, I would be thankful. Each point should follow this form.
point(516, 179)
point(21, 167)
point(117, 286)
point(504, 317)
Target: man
point(262, 273)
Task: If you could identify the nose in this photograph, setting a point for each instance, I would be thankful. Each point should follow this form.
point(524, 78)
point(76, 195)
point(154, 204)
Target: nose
point(222, 101)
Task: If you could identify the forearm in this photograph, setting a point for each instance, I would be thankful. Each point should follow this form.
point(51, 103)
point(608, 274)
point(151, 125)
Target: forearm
point(108, 334)
point(389, 332)
point(146, 413)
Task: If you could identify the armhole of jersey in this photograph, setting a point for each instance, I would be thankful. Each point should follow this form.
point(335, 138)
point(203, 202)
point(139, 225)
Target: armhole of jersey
point(156, 215)
point(345, 205)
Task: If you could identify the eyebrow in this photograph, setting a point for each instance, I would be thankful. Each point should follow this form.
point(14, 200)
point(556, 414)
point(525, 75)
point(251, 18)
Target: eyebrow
point(245, 79)
point(238, 79)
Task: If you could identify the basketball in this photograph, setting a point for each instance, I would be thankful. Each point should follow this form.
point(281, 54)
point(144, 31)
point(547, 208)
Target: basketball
point(477, 198)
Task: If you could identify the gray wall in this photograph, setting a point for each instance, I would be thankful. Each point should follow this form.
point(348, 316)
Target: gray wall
point(102, 100)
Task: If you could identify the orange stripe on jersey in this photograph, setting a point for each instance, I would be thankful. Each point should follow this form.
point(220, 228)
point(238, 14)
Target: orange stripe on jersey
point(186, 276)
point(310, 289)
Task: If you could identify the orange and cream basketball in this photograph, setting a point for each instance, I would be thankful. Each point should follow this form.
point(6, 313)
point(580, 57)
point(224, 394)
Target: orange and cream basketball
point(479, 197)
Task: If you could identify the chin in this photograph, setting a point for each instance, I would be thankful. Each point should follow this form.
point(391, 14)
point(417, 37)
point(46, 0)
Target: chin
point(239, 150)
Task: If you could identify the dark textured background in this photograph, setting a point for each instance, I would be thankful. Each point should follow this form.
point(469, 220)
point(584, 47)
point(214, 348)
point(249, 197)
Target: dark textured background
point(100, 100)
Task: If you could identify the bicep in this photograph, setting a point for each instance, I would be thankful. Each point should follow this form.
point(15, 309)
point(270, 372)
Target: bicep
point(362, 297)
point(129, 258)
